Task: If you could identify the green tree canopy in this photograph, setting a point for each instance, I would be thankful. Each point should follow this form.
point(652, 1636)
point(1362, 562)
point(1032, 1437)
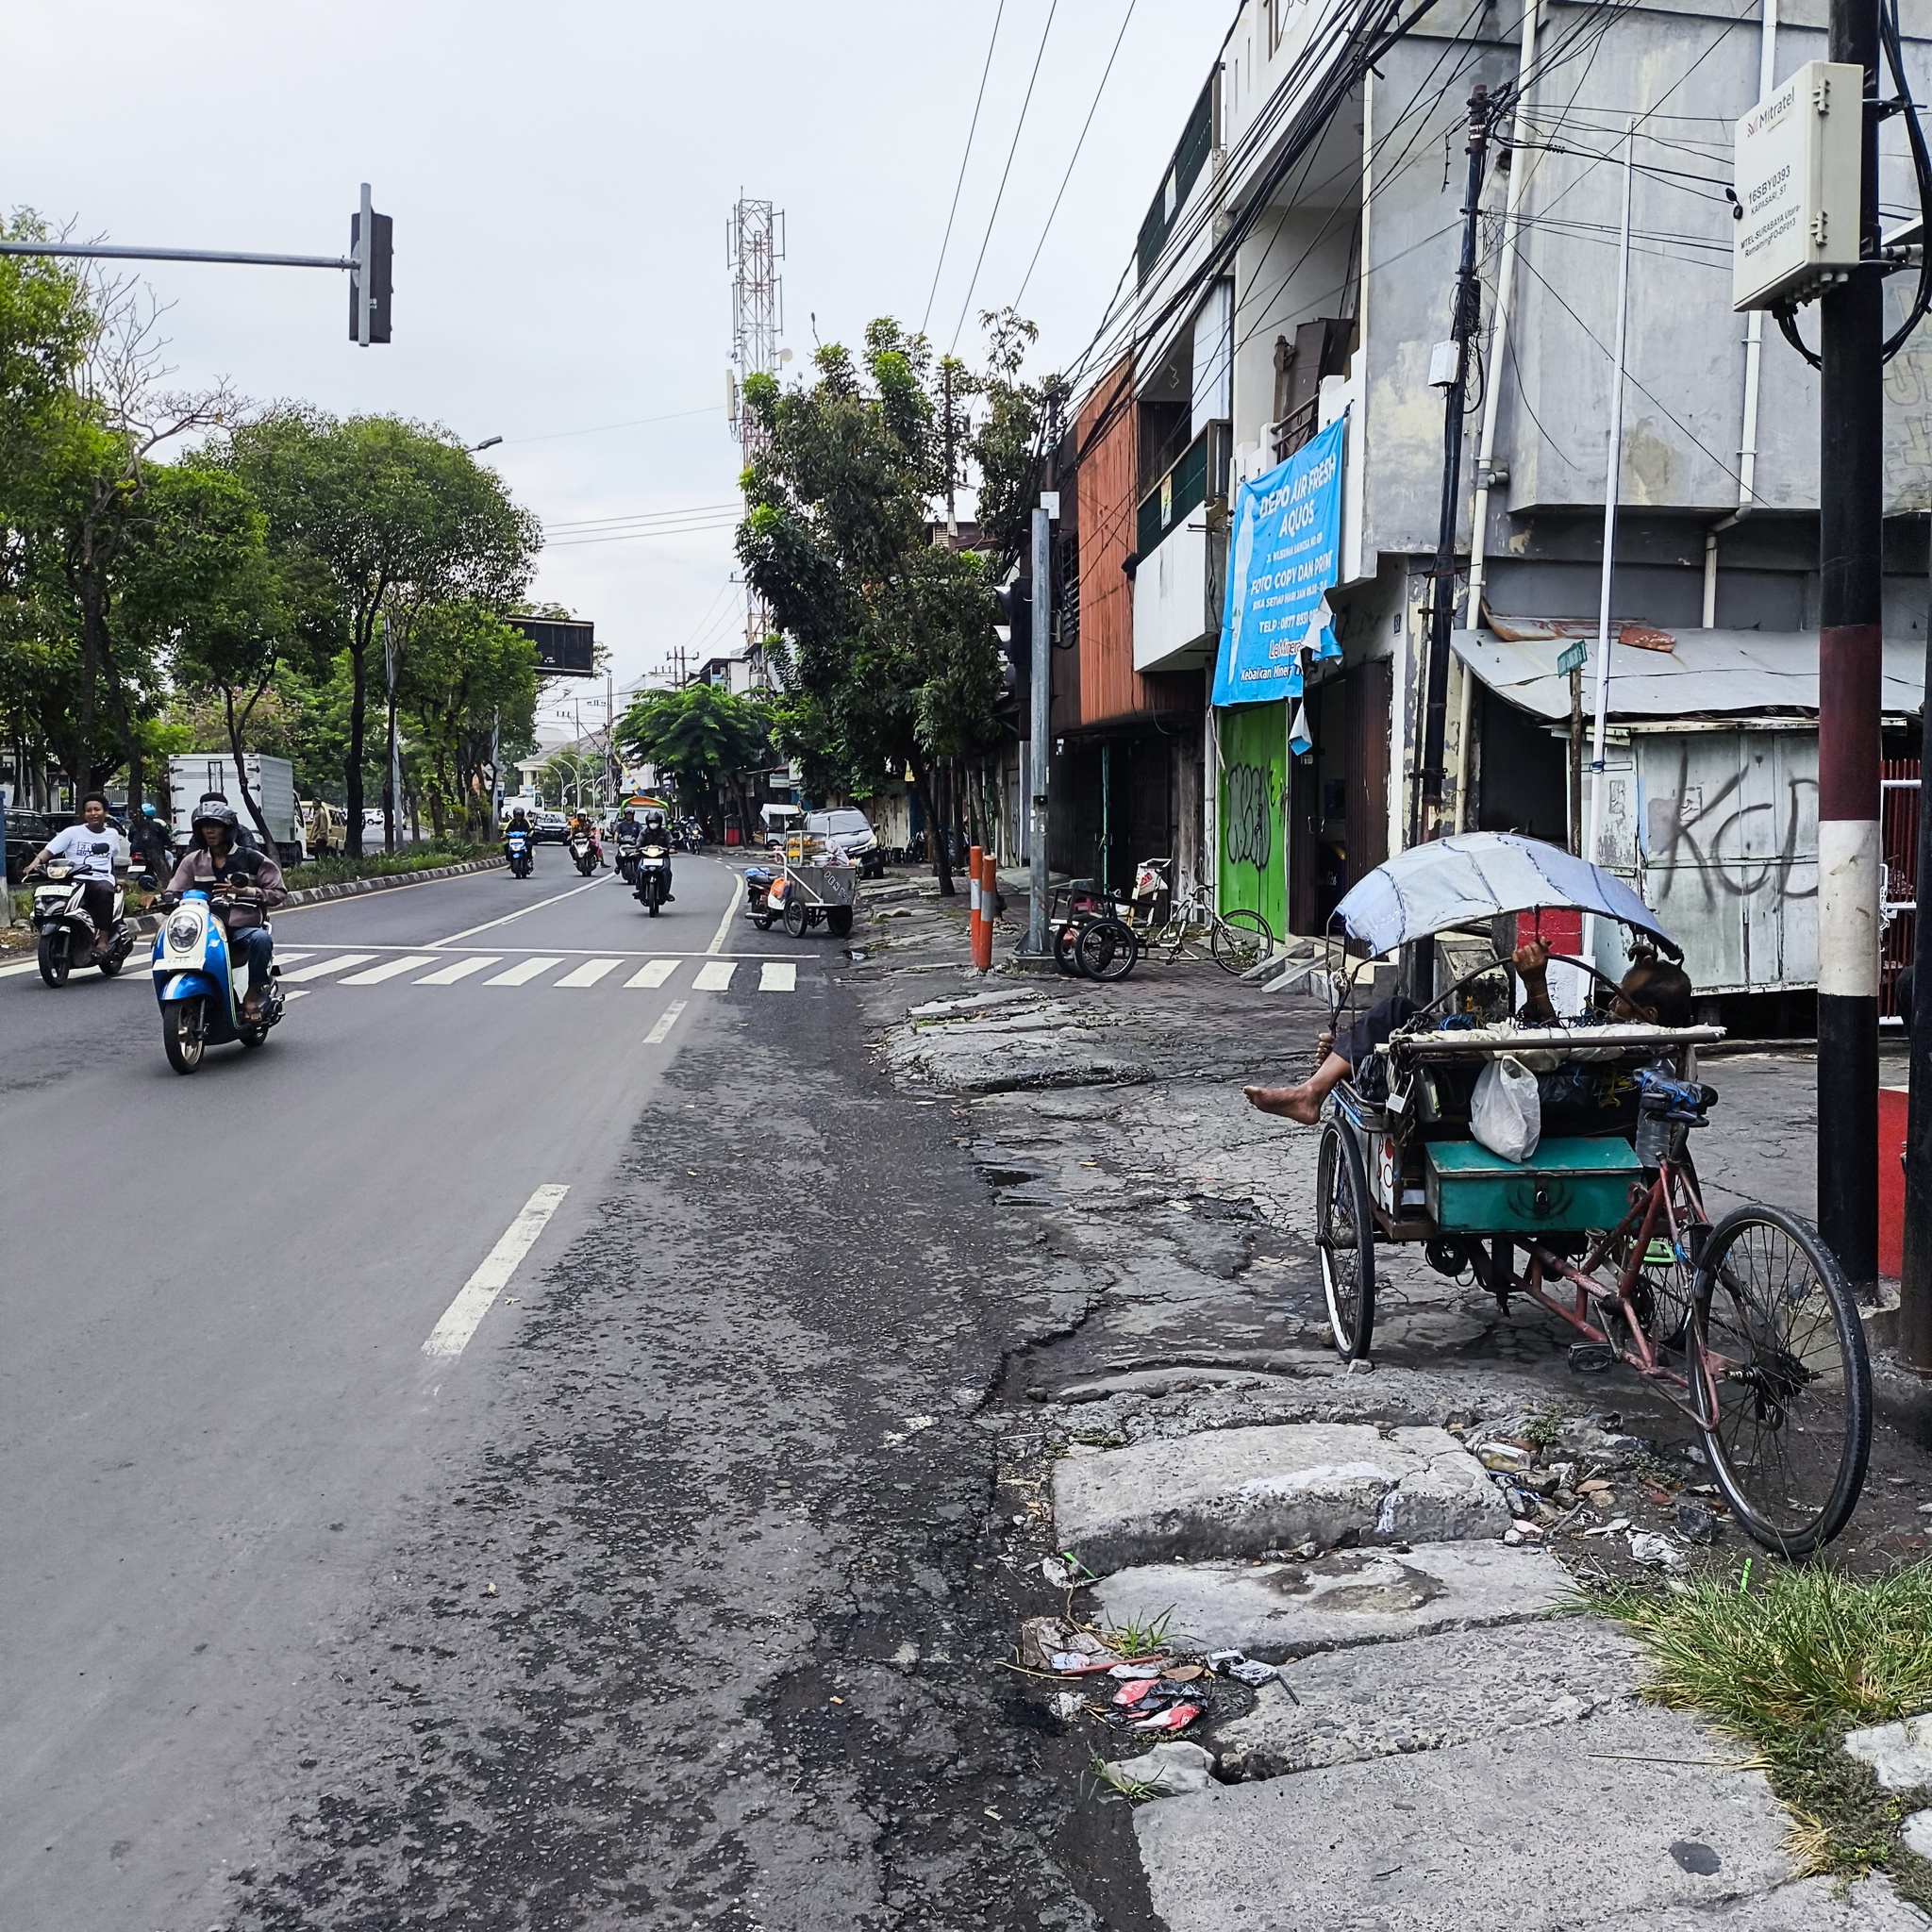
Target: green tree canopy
point(706, 737)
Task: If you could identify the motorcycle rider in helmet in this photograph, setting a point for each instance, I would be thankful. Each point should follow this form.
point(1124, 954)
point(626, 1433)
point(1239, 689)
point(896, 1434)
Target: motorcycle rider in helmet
point(656, 832)
point(518, 822)
point(215, 857)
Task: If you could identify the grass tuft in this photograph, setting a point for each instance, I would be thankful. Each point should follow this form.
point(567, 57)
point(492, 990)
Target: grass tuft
point(1138, 1639)
point(1789, 1661)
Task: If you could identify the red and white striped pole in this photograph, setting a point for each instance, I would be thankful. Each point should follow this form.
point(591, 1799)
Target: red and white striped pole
point(974, 918)
point(989, 909)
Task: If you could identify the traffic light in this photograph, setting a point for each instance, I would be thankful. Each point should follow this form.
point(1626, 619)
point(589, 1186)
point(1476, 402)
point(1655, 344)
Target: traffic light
point(1016, 613)
point(372, 247)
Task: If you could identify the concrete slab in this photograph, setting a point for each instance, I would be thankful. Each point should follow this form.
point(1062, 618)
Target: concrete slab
point(1901, 1753)
point(1810, 1905)
point(1278, 1610)
point(1534, 1831)
point(1427, 1695)
point(1245, 1493)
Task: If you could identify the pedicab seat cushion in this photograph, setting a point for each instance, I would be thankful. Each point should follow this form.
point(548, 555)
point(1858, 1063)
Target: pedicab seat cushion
point(1567, 1184)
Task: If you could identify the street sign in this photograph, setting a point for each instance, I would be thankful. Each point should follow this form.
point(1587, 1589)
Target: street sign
point(566, 647)
point(1572, 657)
point(1797, 171)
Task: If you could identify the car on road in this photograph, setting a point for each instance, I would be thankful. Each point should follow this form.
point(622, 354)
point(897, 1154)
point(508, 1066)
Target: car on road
point(552, 827)
point(848, 830)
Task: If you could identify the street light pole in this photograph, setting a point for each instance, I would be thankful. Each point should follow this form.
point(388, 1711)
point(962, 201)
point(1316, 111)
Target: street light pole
point(1039, 628)
point(1850, 654)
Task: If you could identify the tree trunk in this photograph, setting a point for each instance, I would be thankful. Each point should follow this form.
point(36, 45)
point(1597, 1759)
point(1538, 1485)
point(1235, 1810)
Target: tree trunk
point(942, 862)
point(358, 719)
point(248, 797)
point(124, 723)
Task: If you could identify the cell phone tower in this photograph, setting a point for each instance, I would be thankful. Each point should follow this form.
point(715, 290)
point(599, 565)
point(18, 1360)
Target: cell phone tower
point(753, 246)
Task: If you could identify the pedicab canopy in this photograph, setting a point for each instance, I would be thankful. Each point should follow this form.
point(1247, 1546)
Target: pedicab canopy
point(1475, 876)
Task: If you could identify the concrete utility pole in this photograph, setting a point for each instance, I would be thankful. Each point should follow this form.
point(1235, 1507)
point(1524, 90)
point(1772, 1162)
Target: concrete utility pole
point(1039, 628)
point(1851, 511)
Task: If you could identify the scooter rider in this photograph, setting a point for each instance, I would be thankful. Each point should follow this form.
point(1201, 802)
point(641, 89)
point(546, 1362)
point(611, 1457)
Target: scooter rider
point(215, 856)
point(582, 822)
point(518, 822)
point(96, 851)
point(656, 832)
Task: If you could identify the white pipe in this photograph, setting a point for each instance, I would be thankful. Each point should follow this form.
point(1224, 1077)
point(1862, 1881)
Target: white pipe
point(1505, 281)
point(1710, 576)
point(1753, 328)
point(1612, 481)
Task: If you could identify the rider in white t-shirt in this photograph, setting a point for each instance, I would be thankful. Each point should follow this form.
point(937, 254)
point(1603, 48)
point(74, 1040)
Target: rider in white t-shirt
point(97, 851)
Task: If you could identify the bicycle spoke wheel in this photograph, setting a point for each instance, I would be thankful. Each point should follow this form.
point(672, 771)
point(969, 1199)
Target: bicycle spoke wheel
point(1780, 1379)
point(1106, 949)
point(1346, 1241)
point(1240, 941)
point(1665, 1289)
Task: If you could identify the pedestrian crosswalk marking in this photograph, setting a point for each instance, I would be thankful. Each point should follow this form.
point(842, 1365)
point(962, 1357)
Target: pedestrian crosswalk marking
point(390, 969)
point(524, 972)
point(25, 966)
point(324, 967)
point(589, 973)
point(655, 973)
point(666, 1020)
point(448, 975)
point(714, 976)
point(777, 975)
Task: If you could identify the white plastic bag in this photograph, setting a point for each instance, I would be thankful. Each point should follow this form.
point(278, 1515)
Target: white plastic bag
point(1506, 1113)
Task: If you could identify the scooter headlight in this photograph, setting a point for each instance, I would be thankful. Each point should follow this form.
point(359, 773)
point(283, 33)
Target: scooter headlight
point(184, 928)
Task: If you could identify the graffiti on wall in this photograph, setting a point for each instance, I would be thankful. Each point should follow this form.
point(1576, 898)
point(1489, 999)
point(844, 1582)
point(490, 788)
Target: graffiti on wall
point(1248, 817)
point(1728, 841)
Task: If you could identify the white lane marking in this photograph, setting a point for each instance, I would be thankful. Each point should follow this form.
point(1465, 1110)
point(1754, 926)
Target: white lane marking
point(298, 992)
point(589, 973)
point(283, 958)
point(451, 1334)
point(777, 975)
point(461, 970)
point(656, 974)
point(323, 968)
point(714, 976)
point(25, 966)
point(538, 907)
point(524, 971)
point(666, 1021)
point(390, 969)
point(732, 907)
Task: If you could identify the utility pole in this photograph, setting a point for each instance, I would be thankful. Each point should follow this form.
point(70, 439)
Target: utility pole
point(393, 800)
point(1466, 316)
point(1915, 1270)
point(1851, 511)
point(951, 459)
point(1040, 631)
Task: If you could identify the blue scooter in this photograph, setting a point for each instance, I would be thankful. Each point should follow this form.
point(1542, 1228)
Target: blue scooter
point(516, 848)
point(201, 1004)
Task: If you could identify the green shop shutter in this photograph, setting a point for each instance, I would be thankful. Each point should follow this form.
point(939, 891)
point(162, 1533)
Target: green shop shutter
point(1253, 816)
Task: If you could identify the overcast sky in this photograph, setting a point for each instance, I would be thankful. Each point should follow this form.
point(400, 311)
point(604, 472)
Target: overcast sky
point(559, 179)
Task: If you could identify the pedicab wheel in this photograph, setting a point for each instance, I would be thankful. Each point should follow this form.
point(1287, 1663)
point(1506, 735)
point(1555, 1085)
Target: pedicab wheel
point(183, 1030)
point(1240, 941)
point(56, 958)
point(796, 918)
point(1779, 1378)
point(1106, 949)
point(1064, 941)
point(839, 919)
point(1345, 1239)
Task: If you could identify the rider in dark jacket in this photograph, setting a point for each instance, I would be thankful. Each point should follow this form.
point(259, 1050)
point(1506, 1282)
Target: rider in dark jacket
point(656, 832)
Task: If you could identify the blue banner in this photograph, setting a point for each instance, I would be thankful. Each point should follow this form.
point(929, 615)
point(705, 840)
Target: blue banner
point(1284, 555)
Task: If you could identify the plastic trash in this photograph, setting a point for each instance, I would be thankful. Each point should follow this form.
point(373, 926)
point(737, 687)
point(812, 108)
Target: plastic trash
point(1696, 1523)
point(1177, 1717)
point(1506, 1114)
point(1655, 1552)
point(1150, 1669)
point(1167, 1769)
point(1249, 1671)
point(1042, 1639)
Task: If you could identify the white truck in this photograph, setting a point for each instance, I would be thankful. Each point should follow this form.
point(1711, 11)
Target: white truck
point(193, 775)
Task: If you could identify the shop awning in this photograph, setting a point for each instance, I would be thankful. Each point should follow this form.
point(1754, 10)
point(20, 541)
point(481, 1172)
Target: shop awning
point(1685, 674)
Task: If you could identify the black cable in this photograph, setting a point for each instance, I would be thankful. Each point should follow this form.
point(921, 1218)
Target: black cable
point(1922, 168)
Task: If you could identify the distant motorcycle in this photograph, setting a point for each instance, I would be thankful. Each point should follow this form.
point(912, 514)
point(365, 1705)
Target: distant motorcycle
point(653, 868)
point(516, 848)
point(583, 854)
point(66, 933)
point(201, 1004)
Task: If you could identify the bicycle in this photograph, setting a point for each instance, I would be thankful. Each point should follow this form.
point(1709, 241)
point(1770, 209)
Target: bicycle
point(1237, 941)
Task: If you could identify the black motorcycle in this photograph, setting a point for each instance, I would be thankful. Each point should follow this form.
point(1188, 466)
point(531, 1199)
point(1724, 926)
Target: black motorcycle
point(653, 869)
point(66, 933)
point(516, 848)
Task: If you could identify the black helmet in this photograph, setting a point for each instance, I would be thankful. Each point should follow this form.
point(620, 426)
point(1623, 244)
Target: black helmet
point(215, 811)
point(654, 820)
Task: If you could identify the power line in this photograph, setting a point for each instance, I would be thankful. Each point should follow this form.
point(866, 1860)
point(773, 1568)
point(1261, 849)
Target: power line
point(963, 160)
point(1077, 147)
point(599, 429)
point(1019, 128)
point(642, 516)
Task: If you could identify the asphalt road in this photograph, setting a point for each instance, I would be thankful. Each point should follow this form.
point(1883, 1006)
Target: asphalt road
point(664, 1601)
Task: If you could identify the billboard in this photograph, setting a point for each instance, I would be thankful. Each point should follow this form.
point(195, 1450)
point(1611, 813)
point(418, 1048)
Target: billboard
point(566, 646)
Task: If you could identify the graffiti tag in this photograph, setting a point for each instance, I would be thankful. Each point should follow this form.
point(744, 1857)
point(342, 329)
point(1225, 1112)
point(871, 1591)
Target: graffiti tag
point(1248, 818)
point(1690, 832)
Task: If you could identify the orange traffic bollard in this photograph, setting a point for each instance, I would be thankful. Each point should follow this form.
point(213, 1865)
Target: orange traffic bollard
point(989, 909)
point(974, 919)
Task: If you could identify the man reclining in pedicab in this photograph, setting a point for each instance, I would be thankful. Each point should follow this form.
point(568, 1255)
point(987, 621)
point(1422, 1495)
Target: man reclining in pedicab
point(1654, 992)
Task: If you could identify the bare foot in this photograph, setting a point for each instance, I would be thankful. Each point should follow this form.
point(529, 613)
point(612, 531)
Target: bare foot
point(1291, 1103)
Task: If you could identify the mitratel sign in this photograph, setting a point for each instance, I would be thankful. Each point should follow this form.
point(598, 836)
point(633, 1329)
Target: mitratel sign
point(1796, 200)
point(1287, 541)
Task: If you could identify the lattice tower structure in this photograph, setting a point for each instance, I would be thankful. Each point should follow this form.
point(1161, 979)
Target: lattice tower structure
point(753, 246)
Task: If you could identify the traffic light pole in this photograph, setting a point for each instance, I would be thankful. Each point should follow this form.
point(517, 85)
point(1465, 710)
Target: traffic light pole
point(1851, 511)
point(1040, 620)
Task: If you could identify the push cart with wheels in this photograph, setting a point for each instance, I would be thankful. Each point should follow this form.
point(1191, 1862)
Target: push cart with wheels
point(1746, 1324)
point(802, 895)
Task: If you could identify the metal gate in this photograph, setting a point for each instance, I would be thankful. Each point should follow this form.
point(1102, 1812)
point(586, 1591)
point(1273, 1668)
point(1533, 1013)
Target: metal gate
point(1898, 879)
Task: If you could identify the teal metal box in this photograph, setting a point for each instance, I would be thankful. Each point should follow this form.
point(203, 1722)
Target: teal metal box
point(1565, 1184)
